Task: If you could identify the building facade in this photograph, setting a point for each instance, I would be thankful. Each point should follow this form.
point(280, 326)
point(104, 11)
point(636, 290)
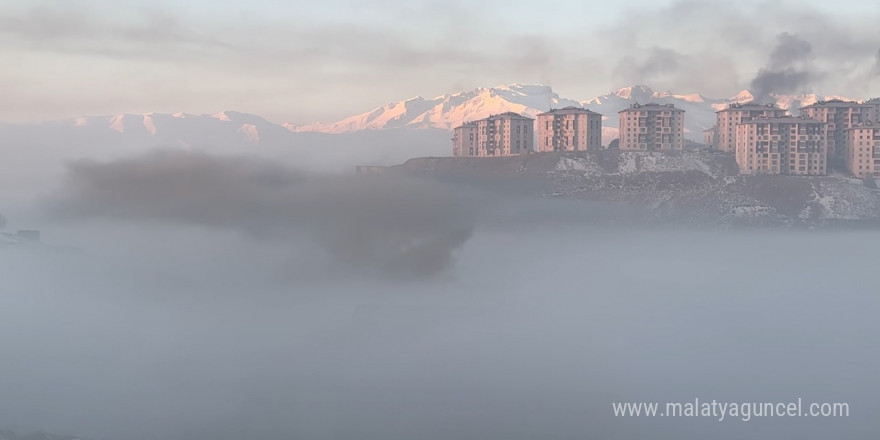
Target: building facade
point(862, 153)
point(839, 116)
point(505, 134)
point(782, 145)
point(652, 127)
point(710, 135)
point(569, 129)
point(735, 114)
point(464, 140)
point(874, 110)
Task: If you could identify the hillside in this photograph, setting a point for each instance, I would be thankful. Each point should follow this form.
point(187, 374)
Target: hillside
point(691, 187)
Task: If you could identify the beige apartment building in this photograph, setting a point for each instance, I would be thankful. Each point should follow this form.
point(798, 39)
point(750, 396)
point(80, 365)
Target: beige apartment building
point(504, 134)
point(735, 114)
point(569, 129)
point(874, 110)
point(652, 127)
point(862, 154)
point(839, 116)
point(464, 140)
point(782, 145)
point(710, 135)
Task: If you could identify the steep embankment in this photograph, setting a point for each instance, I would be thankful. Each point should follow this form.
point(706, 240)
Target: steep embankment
point(698, 187)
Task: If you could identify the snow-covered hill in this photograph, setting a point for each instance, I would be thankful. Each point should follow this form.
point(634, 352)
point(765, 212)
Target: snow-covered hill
point(682, 188)
point(447, 111)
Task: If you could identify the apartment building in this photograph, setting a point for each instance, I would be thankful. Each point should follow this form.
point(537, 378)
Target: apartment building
point(735, 114)
point(839, 116)
point(504, 134)
point(782, 145)
point(464, 140)
point(710, 135)
point(569, 129)
point(652, 127)
point(862, 154)
point(874, 111)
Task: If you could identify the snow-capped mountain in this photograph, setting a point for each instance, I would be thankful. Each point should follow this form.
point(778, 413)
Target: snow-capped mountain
point(387, 135)
point(448, 111)
point(178, 129)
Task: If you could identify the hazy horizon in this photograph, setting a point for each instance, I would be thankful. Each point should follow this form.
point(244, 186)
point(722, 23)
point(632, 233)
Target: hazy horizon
point(300, 62)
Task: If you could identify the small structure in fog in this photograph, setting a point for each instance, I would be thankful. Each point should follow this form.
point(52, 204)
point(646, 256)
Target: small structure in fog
point(370, 169)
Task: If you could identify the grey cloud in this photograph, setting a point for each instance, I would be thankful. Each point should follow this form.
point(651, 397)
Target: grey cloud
point(788, 70)
point(876, 70)
point(658, 62)
point(81, 28)
point(387, 225)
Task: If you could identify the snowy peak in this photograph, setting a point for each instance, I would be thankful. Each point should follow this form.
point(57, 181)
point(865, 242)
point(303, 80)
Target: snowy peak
point(635, 93)
point(448, 111)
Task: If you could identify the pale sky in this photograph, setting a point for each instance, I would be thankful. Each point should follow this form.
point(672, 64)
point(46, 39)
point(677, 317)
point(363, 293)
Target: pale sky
point(306, 61)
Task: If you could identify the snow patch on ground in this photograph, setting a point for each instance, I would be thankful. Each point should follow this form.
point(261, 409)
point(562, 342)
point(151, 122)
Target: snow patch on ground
point(579, 165)
point(843, 199)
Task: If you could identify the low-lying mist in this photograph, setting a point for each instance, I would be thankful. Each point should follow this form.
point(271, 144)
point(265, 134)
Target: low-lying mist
point(188, 296)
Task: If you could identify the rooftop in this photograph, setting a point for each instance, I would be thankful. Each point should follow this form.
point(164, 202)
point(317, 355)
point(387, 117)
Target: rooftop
point(569, 111)
point(508, 115)
point(651, 106)
point(835, 103)
point(750, 106)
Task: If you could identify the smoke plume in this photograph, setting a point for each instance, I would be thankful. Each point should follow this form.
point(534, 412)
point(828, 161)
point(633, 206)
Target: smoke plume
point(787, 70)
point(391, 225)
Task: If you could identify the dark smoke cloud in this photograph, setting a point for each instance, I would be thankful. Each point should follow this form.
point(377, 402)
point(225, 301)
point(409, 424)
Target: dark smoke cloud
point(390, 225)
point(657, 63)
point(788, 69)
point(876, 70)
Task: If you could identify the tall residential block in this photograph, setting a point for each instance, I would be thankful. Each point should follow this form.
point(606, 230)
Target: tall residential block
point(874, 111)
point(504, 134)
point(734, 114)
point(464, 140)
point(840, 116)
point(781, 145)
point(652, 127)
point(710, 137)
point(569, 129)
point(862, 154)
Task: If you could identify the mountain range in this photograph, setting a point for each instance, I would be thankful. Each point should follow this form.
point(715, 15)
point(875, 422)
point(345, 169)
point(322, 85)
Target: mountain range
point(447, 111)
point(388, 134)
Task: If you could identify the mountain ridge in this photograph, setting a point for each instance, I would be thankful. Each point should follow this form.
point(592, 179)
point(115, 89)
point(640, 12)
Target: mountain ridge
point(442, 112)
point(450, 110)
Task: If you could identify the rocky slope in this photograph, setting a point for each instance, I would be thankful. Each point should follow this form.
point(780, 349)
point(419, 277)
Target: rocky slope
point(690, 187)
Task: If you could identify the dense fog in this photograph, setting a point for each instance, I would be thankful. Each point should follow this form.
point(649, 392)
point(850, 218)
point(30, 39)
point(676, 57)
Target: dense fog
point(195, 296)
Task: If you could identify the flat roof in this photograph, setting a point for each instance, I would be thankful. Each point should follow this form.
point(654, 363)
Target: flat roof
point(651, 106)
point(569, 111)
point(750, 106)
point(836, 103)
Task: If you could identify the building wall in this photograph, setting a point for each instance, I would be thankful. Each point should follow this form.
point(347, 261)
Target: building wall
point(729, 118)
point(709, 137)
point(498, 135)
point(796, 147)
point(652, 127)
point(862, 154)
point(569, 131)
point(873, 109)
point(839, 118)
point(464, 140)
